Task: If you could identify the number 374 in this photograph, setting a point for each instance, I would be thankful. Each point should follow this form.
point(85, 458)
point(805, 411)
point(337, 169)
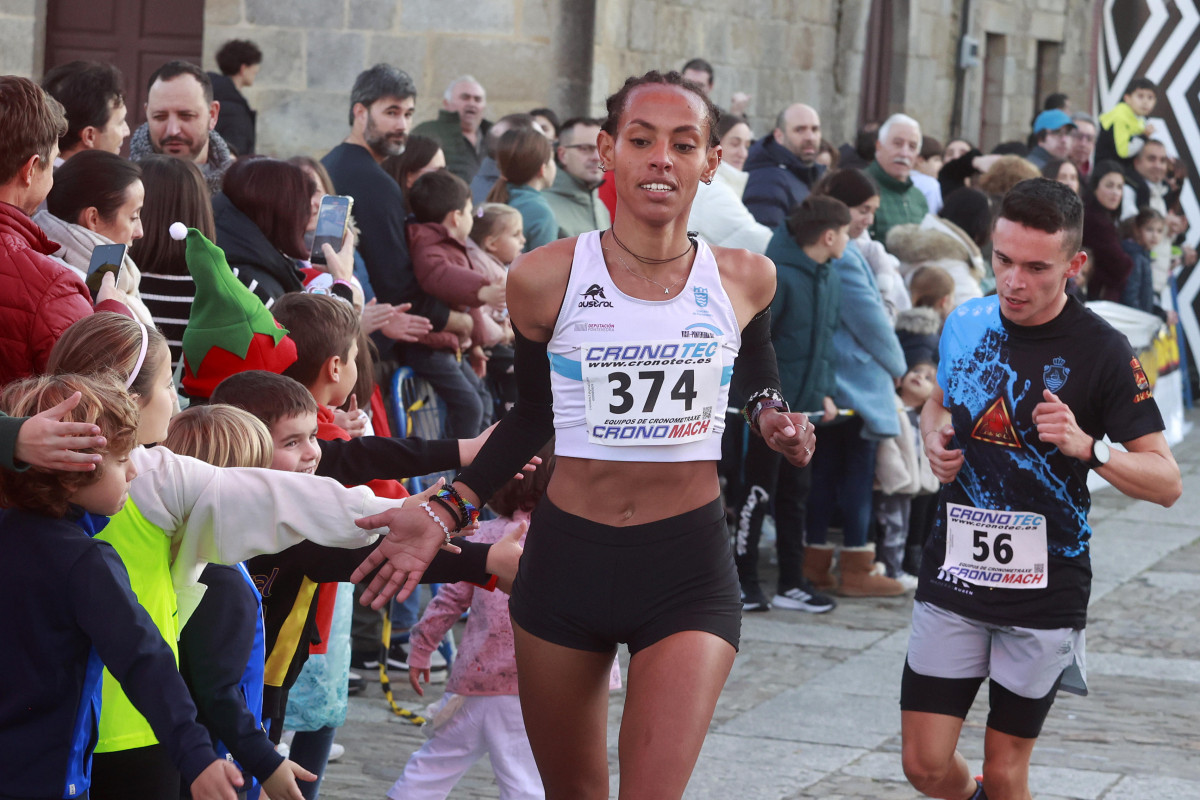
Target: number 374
point(684, 389)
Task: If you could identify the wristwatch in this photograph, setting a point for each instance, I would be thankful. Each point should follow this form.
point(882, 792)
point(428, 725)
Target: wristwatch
point(1100, 454)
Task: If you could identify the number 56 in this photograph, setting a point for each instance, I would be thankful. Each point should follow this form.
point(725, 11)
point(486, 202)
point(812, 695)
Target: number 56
point(1000, 548)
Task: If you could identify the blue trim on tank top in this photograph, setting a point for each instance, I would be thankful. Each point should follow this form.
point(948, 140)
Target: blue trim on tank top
point(567, 367)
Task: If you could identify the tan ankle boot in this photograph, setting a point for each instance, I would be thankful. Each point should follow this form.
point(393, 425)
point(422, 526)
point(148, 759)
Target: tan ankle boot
point(859, 578)
point(818, 566)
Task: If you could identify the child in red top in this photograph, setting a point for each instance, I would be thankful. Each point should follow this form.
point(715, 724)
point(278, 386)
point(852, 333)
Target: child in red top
point(451, 270)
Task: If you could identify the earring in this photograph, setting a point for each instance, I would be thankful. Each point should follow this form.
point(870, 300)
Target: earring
point(603, 167)
point(707, 182)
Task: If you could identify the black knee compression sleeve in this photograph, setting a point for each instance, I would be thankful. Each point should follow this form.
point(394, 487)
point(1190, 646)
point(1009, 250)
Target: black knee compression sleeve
point(1016, 715)
point(950, 696)
point(524, 429)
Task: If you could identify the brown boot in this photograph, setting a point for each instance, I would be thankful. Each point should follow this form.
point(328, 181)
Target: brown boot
point(859, 578)
point(818, 566)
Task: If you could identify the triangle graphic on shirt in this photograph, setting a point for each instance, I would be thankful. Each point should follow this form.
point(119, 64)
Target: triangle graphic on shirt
point(995, 426)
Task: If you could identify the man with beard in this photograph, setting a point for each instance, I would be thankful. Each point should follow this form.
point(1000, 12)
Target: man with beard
point(381, 108)
point(900, 201)
point(783, 166)
point(460, 127)
point(180, 117)
point(573, 199)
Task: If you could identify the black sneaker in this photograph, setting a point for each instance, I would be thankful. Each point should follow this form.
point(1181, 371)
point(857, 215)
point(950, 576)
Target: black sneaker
point(805, 598)
point(364, 660)
point(753, 598)
point(397, 657)
point(355, 684)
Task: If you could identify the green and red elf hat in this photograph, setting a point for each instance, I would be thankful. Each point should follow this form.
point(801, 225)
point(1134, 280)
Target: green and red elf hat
point(229, 329)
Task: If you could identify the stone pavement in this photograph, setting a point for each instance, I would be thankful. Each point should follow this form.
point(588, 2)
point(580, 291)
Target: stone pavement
point(811, 708)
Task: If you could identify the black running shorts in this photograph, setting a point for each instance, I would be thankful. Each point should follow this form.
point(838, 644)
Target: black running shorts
point(590, 586)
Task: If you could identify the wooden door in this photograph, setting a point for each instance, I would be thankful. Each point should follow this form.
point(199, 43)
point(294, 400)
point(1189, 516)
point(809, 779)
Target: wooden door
point(138, 36)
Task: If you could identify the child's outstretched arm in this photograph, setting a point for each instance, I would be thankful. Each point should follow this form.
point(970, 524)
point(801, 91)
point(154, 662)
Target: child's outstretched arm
point(440, 615)
point(228, 515)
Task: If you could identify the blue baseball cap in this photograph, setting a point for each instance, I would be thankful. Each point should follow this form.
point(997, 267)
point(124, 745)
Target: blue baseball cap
point(1052, 120)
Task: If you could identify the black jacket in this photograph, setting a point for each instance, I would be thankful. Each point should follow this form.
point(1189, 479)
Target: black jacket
point(269, 273)
point(379, 212)
point(69, 610)
point(235, 121)
point(778, 180)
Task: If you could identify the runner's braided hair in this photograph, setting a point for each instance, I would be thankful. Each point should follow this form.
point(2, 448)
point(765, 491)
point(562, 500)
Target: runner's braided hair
point(616, 103)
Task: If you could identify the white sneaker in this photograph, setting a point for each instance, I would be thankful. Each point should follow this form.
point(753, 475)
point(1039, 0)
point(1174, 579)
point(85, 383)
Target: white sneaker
point(336, 751)
point(909, 582)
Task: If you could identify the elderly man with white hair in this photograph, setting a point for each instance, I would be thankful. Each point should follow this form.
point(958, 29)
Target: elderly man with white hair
point(896, 150)
point(460, 126)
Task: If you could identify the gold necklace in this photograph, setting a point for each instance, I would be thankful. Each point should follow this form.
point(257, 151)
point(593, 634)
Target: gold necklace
point(666, 289)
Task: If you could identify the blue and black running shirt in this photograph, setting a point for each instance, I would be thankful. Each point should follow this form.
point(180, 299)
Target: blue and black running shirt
point(992, 375)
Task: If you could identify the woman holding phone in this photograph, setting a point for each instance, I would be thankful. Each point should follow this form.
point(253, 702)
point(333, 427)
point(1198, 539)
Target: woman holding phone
point(261, 215)
point(97, 200)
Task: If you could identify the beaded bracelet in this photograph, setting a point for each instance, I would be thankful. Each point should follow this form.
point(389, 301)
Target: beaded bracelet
point(433, 515)
point(470, 514)
point(766, 398)
point(450, 509)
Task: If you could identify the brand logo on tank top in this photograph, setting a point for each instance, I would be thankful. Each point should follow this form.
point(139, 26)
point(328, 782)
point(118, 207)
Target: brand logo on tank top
point(593, 297)
point(701, 296)
point(995, 426)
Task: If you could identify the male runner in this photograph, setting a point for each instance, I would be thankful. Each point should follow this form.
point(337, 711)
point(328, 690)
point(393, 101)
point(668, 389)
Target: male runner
point(1029, 384)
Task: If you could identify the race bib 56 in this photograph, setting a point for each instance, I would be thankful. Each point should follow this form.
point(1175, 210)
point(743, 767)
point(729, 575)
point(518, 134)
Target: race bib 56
point(1000, 549)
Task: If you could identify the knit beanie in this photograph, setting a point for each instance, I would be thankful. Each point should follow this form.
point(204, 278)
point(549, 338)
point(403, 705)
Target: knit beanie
point(229, 329)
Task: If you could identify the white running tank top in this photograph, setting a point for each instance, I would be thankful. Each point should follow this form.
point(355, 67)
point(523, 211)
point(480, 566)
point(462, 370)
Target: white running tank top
point(641, 380)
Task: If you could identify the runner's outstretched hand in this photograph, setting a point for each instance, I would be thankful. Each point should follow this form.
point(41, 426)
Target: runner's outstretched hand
point(412, 541)
point(945, 463)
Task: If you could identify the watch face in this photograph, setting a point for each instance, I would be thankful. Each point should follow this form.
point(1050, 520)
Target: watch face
point(1100, 452)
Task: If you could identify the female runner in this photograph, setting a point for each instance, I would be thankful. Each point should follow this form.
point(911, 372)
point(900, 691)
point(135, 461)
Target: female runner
point(625, 344)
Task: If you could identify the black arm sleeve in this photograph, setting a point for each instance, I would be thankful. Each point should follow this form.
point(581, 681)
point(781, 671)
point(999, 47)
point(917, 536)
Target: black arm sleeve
point(214, 647)
point(524, 429)
point(755, 368)
point(334, 564)
point(370, 458)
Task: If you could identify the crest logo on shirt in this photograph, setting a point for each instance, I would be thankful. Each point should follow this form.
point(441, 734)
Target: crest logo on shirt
point(1139, 377)
point(701, 294)
point(995, 426)
point(594, 297)
point(1055, 374)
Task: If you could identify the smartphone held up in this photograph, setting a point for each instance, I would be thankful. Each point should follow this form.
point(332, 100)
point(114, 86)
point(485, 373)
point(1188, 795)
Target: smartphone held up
point(105, 258)
point(333, 219)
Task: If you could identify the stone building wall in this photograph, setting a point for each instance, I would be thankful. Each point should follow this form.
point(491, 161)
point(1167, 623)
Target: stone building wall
point(570, 54)
point(21, 34)
point(315, 48)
